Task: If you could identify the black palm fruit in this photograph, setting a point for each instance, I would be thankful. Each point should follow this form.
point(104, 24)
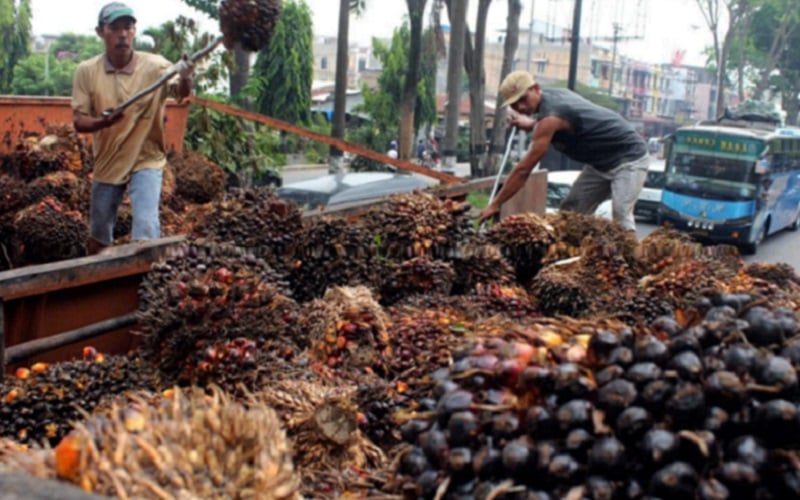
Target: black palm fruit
point(740, 479)
point(651, 349)
point(487, 463)
point(677, 481)
point(712, 489)
point(462, 428)
point(621, 356)
point(763, 328)
point(459, 464)
point(747, 450)
point(608, 374)
point(632, 423)
point(607, 457)
point(654, 396)
point(777, 423)
point(687, 406)
point(414, 462)
point(576, 414)
point(600, 488)
point(725, 389)
point(643, 373)
point(564, 470)
point(739, 358)
point(615, 396)
point(658, 447)
point(518, 458)
point(684, 342)
point(578, 443)
point(539, 423)
point(687, 364)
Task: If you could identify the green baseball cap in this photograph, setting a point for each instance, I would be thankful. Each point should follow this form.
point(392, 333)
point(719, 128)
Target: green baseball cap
point(113, 11)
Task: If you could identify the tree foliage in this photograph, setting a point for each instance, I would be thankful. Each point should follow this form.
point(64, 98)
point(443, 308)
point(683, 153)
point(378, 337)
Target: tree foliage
point(283, 71)
point(383, 102)
point(173, 39)
point(31, 77)
point(15, 38)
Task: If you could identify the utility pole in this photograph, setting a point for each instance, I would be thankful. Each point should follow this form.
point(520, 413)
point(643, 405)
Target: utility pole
point(617, 29)
point(576, 39)
point(521, 134)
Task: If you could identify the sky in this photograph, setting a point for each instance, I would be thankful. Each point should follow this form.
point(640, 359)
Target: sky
point(668, 26)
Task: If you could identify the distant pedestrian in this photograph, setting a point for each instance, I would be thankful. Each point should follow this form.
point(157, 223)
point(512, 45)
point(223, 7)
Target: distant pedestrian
point(392, 153)
point(421, 150)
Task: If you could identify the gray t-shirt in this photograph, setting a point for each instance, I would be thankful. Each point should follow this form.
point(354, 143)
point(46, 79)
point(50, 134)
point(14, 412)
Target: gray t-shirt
point(599, 136)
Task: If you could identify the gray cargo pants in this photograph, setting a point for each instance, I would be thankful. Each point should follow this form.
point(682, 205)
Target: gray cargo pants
point(623, 184)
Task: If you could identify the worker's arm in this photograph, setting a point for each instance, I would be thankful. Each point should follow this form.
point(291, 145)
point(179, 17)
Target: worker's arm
point(88, 124)
point(542, 136)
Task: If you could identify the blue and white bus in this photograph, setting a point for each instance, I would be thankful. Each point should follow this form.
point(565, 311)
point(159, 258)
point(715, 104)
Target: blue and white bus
point(732, 182)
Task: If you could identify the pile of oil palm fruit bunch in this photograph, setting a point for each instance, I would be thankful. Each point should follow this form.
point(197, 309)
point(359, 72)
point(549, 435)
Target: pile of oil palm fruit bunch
point(256, 219)
point(249, 23)
point(197, 180)
point(45, 183)
point(39, 402)
point(205, 294)
point(330, 252)
point(403, 354)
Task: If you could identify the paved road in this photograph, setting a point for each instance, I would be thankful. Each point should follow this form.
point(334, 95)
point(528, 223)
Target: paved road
point(781, 247)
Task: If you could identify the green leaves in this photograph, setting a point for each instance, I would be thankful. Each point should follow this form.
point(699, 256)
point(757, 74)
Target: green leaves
point(283, 72)
point(15, 38)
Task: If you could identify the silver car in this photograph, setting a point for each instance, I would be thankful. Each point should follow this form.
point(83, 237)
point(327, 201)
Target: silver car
point(338, 189)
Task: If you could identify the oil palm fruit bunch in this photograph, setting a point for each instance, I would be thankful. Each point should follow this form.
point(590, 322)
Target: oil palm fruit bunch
point(419, 275)
point(332, 251)
point(493, 299)
point(349, 330)
point(560, 289)
point(60, 148)
point(203, 293)
point(418, 224)
point(486, 266)
point(13, 194)
point(321, 422)
point(256, 219)
point(48, 231)
point(421, 339)
point(248, 22)
point(41, 402)
point(64, 186)
point(574, 229)
point(189, 445)
point(523, 240)
point(783, 275)
point(197, 179)
point(681, 282)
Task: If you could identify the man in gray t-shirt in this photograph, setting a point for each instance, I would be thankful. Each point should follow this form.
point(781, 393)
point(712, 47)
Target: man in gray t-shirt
point(614, 153)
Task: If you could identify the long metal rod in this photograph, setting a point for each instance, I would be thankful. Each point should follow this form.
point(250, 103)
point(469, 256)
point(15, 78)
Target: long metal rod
point(21, 352)
point(502, 167)
point(165, 77)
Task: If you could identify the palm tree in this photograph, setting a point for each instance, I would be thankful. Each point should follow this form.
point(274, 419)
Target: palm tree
point(509, 49)
point(342, 66)
point(416, 10)
point(455, 58)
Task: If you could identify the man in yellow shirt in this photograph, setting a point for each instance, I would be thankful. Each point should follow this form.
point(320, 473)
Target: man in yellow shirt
point(129, 147)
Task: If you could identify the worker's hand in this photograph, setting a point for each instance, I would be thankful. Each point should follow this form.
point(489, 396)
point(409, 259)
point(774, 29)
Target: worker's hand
point(185, 68)
point(110, 117)
point(490, 212)
point(522, 122)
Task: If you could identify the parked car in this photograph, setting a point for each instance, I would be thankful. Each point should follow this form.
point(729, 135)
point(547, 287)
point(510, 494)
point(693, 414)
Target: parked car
point(559, 182)
point(650, 197)
point(337, 189)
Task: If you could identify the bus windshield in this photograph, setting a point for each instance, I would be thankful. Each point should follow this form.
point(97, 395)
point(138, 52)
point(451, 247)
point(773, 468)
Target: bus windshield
point(713, 167)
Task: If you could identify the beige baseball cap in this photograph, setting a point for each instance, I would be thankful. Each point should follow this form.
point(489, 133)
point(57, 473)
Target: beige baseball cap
point(515, 85)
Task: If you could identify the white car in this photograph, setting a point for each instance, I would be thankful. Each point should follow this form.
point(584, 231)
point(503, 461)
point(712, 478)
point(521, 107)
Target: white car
point(559, 182)
point(650, 197)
